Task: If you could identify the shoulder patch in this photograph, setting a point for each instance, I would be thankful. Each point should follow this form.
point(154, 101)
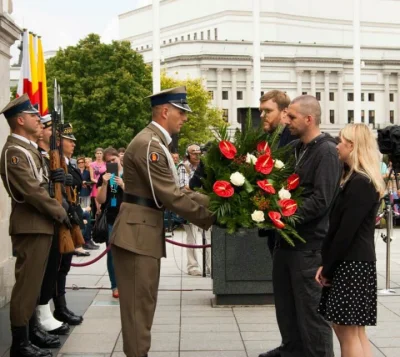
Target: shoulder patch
point(154, 157)
point(14, 160)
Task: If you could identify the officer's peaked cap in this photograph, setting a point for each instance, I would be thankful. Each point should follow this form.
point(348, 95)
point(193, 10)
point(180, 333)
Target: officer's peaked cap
point(175, 96)
point(21, 104)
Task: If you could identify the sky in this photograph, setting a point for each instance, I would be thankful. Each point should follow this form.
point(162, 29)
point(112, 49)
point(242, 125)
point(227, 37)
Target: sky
point(63, 23)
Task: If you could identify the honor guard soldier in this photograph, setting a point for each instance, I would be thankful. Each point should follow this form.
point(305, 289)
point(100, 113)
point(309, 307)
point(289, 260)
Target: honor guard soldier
point(138, 243)
point(61, 310)
point(45, 317)
point(33, 213)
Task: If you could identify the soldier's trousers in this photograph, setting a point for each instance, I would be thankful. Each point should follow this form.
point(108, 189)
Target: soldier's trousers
point(31, 251)
point(64, 267)
point(138, 277)
point(51, 273)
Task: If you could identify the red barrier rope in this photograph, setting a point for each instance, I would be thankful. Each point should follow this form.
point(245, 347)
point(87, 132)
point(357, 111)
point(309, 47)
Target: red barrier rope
point(93, 260)
point(109, 247)
point(187, 245)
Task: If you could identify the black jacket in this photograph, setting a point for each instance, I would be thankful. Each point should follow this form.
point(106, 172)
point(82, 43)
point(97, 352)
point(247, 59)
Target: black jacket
point(351, 225)
point(286, 137)
point(318, 166)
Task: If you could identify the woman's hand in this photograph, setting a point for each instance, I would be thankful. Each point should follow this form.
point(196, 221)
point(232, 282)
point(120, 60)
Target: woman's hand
point(320, 279)
point(119, 181)
point(106, 178)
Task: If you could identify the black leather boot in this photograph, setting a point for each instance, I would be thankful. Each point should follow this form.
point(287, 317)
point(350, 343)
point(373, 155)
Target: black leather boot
point(39, 337)
point(62, 313)
point(22, 347)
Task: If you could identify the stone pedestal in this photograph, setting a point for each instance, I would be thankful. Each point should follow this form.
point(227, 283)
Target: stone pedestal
point(241, 268)
point(9, 33)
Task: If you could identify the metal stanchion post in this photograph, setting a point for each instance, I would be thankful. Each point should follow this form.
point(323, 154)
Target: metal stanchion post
point(389, 231)
point(203, 235)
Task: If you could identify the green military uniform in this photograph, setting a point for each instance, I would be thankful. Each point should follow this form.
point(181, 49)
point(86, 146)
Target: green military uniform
point(138, 234)
point(32, 217)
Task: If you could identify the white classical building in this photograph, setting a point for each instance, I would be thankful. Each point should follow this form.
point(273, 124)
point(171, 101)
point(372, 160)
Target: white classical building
point(306, 47)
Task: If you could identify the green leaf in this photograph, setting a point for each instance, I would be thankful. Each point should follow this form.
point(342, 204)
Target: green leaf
point(248, 187)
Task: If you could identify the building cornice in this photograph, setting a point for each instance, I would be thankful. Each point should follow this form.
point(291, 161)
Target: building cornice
point(271, 43)
point(297, 60)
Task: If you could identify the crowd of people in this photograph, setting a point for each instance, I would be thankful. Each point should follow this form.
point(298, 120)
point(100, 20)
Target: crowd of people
point(328, 282)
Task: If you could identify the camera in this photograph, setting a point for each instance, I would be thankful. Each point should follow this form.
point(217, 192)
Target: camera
point(389, 144)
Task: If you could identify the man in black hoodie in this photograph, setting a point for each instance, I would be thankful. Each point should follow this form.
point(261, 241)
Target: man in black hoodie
point(304, 332)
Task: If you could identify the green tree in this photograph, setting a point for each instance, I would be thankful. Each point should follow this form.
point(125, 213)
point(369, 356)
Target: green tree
point(198, 128)
point(103, 87)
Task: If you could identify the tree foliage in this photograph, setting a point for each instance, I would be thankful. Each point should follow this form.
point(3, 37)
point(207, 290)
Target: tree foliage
point(198, 128)
point(103, 87)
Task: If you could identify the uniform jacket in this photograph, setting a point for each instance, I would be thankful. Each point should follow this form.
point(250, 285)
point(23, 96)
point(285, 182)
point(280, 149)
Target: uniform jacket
point(38, 211)
point(141, 229)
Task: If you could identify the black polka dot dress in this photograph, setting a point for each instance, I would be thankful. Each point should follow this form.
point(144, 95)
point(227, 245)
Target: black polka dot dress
point(352, 298)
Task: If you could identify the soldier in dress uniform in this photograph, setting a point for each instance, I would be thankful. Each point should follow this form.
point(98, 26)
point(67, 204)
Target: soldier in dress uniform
point(32, 218)
point(151, 185)
point(45, 317)
point(61, 310)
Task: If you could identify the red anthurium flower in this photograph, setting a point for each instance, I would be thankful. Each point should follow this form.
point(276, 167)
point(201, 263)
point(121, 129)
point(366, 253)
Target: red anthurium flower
point(293, 181)
point(266, 186)
point(288, 207)
point(275, 218)
point(264, 148)
point(223, 189)
point(265, 164)
point(227, 149)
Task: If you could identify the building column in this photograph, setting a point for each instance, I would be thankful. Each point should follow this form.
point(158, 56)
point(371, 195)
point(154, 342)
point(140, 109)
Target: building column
point(325, 118)
point(204, 76)
point(386, 102)
point(233, 114)
point(219, 88)
point(9, 33)
point(397, 115)
point(299, 73)
point(342, 117)
point(313, 88)
point(249, 94)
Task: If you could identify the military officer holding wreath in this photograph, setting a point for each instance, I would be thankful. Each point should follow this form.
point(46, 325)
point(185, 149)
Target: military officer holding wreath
point(151, 185)
point(33, 213)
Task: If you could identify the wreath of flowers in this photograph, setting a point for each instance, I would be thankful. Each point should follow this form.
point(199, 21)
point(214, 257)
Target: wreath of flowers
point(251, 182)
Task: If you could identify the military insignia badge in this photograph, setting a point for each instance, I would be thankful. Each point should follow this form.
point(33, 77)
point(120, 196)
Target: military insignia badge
point(154, 157)
point(14, 160)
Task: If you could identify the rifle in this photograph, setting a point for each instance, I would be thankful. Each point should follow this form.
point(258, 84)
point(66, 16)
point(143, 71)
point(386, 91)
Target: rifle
point(71, 194)
point(65, 244)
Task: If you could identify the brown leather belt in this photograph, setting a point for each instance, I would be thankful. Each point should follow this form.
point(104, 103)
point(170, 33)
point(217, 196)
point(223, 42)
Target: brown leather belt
point(141, 201)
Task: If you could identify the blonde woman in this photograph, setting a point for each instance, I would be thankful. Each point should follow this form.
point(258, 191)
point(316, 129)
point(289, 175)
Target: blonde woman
point(348, 271)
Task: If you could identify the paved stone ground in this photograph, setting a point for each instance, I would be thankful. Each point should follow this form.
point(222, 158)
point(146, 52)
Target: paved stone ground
point(186, 325)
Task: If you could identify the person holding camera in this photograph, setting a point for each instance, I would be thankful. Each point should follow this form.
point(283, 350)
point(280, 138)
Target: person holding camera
point(348, 271)
point(186, 170)
point(110, 191)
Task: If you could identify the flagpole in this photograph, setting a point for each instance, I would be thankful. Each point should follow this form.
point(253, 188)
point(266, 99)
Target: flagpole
point(356, 61)
point(256, 53)
point(156, 46)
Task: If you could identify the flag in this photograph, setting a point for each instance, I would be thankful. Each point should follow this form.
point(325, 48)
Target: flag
point(34, 90)
point(44, 108)
point(24, 83)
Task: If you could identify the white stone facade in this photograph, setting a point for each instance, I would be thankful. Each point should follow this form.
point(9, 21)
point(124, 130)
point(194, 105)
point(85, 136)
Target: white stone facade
point(9, 33)
point(306, 47)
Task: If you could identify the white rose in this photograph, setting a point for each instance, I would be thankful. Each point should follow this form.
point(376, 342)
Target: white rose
point(284, 194)
point(279, 164)
point(258, 216)
point(237, 179)
point(251, 159)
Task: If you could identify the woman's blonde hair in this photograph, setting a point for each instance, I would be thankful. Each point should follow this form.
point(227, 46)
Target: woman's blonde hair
point(364, 159)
